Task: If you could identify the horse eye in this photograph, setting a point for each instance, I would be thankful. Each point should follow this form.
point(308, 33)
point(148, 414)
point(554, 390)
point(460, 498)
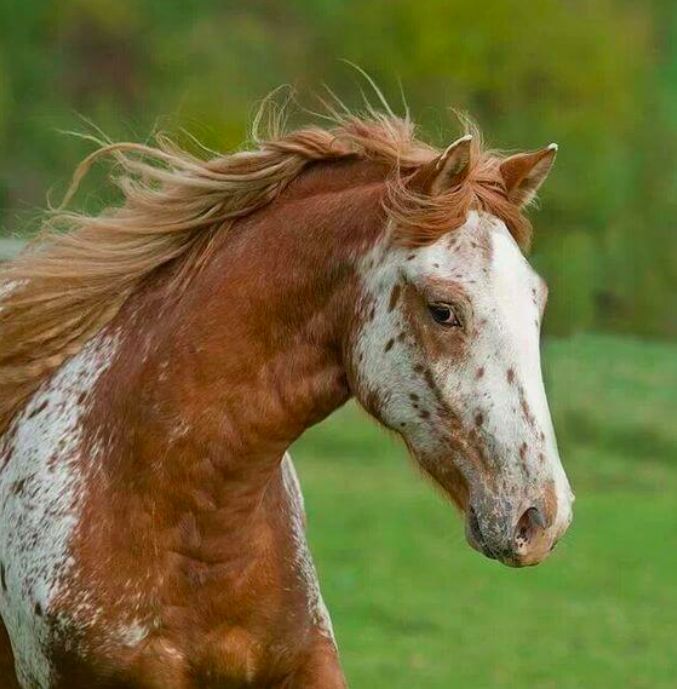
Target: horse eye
point(444, 315)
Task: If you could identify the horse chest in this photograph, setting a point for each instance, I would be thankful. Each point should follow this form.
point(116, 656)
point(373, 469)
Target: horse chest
point(50, 458)
point(43, 471)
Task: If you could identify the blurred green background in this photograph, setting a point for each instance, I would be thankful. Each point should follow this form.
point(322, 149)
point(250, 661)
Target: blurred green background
point(413, 606)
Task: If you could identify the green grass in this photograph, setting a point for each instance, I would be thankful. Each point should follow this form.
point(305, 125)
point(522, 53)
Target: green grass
point(414, 607)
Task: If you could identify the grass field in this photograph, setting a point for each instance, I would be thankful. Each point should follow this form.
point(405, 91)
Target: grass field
point(415, 608)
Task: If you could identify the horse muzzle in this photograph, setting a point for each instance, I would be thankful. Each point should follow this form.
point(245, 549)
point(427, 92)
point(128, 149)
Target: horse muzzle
point(525, 540)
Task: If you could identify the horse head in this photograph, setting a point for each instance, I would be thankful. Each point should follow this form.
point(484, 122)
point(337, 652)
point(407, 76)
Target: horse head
point(445, 351)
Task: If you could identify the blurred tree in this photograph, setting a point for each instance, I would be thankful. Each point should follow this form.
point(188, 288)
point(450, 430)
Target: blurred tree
point(597, 77)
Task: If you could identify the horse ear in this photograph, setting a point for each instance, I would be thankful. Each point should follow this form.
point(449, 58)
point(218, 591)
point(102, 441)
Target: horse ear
point(444, 172)
point(524, 173)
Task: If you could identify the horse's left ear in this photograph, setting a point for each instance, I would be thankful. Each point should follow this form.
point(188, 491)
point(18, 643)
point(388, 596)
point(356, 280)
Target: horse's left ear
point(524, 173)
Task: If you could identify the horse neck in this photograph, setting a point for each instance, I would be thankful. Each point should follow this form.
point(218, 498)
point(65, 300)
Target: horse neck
point(253, 353)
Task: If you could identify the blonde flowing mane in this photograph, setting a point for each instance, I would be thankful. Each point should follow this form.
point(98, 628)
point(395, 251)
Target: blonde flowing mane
point(74, 278)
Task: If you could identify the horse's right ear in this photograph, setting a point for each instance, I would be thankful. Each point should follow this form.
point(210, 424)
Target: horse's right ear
point(449, 169)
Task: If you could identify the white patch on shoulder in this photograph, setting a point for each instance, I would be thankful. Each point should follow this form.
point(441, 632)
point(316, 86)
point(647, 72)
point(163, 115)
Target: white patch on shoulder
point(41, 493)
point(304, 560)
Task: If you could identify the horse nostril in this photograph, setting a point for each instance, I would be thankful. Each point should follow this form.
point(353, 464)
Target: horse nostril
point(536, 517)
point(529, 524)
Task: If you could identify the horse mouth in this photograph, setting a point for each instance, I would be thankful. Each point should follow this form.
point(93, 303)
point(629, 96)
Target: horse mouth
point(474, 535)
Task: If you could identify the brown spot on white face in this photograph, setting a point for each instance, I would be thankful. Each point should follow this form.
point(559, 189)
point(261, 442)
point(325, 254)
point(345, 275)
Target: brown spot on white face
point(479, 418)
point(510, 375)
point(480, 372)
point(430, 380)
point(18, 486)
point(37, 410)
point(389, 345)
point(524, 406)
point(394, 297)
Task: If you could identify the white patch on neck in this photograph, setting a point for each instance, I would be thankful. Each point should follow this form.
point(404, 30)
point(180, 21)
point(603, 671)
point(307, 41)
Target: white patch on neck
point(41, 494)
point(6, 288)
point(304, 561)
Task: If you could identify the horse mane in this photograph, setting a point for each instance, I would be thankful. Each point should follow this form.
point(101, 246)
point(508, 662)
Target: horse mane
point(75, 276)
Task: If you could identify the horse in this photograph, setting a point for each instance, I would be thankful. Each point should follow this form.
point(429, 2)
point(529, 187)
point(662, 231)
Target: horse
point(159, 358)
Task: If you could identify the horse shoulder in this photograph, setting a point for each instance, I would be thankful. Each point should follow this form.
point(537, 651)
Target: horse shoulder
point(44, 462)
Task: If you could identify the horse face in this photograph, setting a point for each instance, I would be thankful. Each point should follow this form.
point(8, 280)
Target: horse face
point(447, 355)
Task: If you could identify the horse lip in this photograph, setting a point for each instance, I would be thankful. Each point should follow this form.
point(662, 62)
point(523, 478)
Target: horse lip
point(475, 536)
